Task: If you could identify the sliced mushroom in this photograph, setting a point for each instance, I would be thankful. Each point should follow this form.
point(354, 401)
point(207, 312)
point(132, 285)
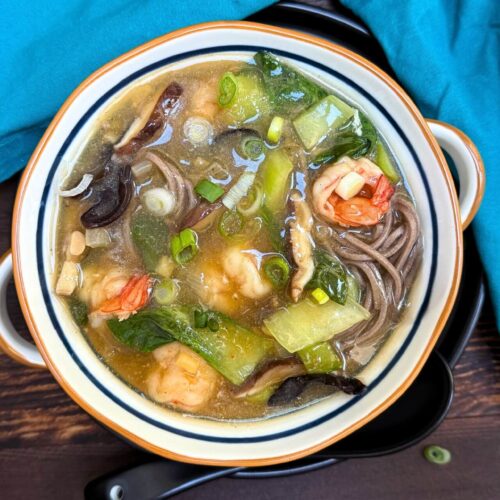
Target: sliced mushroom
point(147, 128)
point(110, 196)
point(301, 243)
point(199, 213)
point(292, 388)
point(273, 372)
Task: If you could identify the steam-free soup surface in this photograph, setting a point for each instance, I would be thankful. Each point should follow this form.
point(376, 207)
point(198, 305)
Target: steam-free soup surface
point(235, 239)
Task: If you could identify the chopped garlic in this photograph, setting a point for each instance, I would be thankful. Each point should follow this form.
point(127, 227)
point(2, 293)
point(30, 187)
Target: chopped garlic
point(68, 279)
point(76, 244)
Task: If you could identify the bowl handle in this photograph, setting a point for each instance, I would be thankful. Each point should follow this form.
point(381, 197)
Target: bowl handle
point(469, 166)
point(11, 342)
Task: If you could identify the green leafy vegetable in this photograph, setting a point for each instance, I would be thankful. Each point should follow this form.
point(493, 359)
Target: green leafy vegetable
point(289, 90)
point(383, 160)
point(150, 236)
point(345, 144)
point(306, 323)
point(140, 332)
point(275, 175)
point(232, 349)
point(277, 270)
point(322, 120)
point(274, 230)
point(330, 276)
point(79, 311)
point(320, 358)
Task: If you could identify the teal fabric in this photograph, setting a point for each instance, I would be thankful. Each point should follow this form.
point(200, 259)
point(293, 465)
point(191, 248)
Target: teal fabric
point(446, 53)
point(47, 47)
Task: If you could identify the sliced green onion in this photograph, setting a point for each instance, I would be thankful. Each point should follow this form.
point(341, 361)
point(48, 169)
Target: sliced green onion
point(277, 270)
point(250, 204)
point(275, 129)
point(165, 292)
point(208, 190)
point(437, 455)
point(159, 201)
point(252, 147)
point(198, 131)
point(320, 296)
point(184, 246)
point(238, 190)
point(230, 223)
point(227, 88)
point(200, 319)
point(213, 324)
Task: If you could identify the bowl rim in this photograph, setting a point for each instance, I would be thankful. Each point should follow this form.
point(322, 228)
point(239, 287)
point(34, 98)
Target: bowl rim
point(304, 38)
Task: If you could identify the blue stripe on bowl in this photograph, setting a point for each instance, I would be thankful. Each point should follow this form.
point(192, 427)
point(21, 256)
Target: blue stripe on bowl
point(47, 293)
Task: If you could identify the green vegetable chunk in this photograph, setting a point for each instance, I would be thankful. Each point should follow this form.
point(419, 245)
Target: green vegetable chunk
point(320, 358)
point(305, 323)
point(230, 223)
point(150, 236)
point(289, 90)
point(385, 164)
point(230, 348)
point(165, 292)
point(275, 174)
point(208, 190)
point(330, 276)
point(79, 311)
point(322, 119)
point(184, 246)
point(243, 96)
point(274, 230)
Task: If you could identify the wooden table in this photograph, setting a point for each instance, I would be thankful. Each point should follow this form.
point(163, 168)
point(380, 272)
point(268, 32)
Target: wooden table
point(50, 448)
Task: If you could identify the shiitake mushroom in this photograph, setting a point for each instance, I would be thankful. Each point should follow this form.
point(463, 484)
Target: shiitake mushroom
point(292, 388)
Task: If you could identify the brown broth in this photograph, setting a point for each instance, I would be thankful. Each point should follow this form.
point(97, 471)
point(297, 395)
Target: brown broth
point(130, 365)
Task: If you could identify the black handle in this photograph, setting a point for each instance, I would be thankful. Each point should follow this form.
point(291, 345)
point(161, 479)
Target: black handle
point(153, 480)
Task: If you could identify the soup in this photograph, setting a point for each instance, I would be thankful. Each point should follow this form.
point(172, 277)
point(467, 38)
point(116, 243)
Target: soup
point(235, 239)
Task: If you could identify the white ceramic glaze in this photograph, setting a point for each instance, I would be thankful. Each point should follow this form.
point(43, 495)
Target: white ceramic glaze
point(294, 434)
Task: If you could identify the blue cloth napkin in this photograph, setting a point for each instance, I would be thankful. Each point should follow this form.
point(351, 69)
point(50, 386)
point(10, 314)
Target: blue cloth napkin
point(47, 47)
point(446, 53)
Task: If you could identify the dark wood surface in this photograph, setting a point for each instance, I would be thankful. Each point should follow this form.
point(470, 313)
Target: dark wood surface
point(50, 448)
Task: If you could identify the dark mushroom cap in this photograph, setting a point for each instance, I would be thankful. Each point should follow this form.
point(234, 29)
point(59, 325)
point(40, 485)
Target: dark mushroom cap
point(110, 195)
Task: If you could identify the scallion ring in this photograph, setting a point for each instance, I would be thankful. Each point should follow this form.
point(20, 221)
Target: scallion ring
point(227, 89)
point(437, 455)
point(230, 223)
point(165, 292)
point(184, 246)
point(250, 204)
point(277, 271)
point(252, 147)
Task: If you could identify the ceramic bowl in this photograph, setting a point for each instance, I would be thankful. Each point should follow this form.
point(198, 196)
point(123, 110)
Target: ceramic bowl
point(61, 347)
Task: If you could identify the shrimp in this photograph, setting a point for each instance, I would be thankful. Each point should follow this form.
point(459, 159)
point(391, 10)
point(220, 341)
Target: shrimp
point(182, 378)
point(203, 101)
point(241, 268)
point(364, 206)
point(131, 298)
point(302, 248)
point(224, 285)
point(98, 287)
